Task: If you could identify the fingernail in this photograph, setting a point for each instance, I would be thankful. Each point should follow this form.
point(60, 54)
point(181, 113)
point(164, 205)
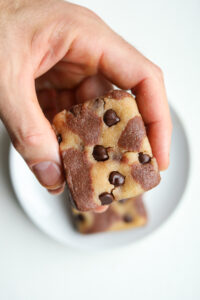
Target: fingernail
point(48, 173)
point(57, 191)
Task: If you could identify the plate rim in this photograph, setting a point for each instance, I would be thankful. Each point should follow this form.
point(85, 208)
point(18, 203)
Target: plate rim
point(73, 244)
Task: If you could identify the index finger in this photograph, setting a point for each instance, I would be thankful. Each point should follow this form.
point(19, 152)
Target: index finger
point(124, 66)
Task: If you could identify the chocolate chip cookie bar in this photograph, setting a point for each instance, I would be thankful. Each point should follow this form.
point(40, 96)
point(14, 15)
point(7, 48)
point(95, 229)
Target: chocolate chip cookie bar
point(105, 151)
point(120, 215)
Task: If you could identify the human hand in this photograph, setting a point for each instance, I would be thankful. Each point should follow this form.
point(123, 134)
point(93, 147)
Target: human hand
point(68, 48)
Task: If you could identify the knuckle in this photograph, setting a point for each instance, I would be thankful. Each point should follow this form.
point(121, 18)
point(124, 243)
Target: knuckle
point(158, 73)
point(89, 13)
point(87, 17)
point(23, 143)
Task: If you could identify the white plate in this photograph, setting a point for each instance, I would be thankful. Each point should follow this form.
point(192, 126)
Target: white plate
point(50, 213)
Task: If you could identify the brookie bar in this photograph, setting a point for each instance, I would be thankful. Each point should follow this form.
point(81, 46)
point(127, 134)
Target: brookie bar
point(105, 151)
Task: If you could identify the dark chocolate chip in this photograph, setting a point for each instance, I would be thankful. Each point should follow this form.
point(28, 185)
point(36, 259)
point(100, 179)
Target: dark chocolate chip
point(127, 218)
point(110, 117)
point(100, 153)
point(106, 198)
point(116, 178)
point(80, 217)
point(144, 158)
point(59, 138)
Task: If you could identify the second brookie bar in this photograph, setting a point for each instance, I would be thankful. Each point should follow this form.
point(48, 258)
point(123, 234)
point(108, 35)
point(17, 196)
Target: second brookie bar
point(121, 215)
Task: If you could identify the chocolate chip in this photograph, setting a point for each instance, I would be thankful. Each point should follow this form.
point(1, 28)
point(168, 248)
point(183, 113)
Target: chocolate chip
point(144, 158)
point(100, 153)
point(106, 198)
point(80, 217)
point(116, 178)
point(59, 138)
point(110, 117)
point(127, 218)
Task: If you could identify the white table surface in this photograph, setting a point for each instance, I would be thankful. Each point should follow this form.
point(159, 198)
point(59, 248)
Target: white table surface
point(166, 264)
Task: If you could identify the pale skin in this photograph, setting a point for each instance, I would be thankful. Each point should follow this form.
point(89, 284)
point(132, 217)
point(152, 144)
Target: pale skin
point(48, 45)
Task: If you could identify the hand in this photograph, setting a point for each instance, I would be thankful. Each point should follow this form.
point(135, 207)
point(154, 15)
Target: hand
point(68, 48)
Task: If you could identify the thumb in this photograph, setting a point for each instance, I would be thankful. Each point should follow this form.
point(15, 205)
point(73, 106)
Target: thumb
point(32, 134)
